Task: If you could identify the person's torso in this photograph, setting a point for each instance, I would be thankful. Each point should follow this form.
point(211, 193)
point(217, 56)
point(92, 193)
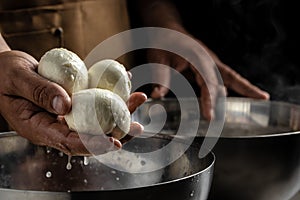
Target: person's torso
point(36, 26)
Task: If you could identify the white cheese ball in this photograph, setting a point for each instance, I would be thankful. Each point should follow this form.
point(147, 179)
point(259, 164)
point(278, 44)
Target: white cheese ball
point(97, 111)
point(64, 68)
point(111, 75)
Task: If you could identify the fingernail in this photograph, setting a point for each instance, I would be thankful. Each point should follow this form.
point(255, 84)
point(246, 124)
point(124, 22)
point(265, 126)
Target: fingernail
point(58, 105)
point(212, 114)
point(266, 95)
point(145, 96)
point(116, 142)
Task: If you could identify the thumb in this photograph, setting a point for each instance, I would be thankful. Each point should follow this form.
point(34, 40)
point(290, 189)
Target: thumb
point(21, 80)
point(42, 92)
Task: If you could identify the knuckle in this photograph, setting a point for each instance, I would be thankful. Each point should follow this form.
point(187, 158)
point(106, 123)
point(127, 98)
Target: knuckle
point(23, 109)
point(40, 95)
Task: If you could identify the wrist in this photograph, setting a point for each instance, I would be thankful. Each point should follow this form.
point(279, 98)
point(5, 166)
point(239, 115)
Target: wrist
point(3, 45)
point(174, 25)
point(161, 13)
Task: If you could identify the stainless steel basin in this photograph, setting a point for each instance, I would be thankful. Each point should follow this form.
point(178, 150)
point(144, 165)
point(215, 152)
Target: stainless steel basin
point(257, 153)
point(31, 172)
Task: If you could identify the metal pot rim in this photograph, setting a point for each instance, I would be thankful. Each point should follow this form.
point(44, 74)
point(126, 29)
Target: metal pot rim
point(212, 159)
point(250, 101)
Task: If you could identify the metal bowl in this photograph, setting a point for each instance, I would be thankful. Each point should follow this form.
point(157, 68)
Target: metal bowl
point(33, 172)
point(257, 153)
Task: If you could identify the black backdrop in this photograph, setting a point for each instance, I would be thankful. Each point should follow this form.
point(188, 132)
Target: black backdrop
point(257, 38)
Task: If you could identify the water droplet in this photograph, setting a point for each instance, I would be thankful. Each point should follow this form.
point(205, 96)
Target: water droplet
point(113, 172)
point(192, 193)
point(143, 162)
point(68, 191)
point(48, 174)
point(117, 178)
point(60, 154)
point(86, 160)
point(85, 181)
point(48, 150)
point(69, 165)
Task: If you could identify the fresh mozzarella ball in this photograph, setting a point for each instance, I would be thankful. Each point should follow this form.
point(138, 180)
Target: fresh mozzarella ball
point(96, 111)
point(64, 68)
point(111, 75)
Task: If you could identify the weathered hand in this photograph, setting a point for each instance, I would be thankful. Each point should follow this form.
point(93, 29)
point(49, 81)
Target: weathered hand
point(32, 106)
point(210, 88)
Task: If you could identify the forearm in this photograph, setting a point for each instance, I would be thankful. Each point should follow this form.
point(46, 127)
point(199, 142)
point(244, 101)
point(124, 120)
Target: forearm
point(3, 45)
point(163, 13)
point(160, 13)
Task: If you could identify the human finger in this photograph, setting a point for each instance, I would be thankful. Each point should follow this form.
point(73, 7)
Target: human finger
point(135, 100)
point(179, 63)
point(161, 78)
point(208, 84)
point(239, 84)
point(209, 98)
point(159, 91)
point(85, 144)
point(43, 128)
point(136, 129)
point(161, 73)
point(43, 93)
point(29, 85)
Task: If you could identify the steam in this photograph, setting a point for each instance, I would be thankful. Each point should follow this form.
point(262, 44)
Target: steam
point(262, 55)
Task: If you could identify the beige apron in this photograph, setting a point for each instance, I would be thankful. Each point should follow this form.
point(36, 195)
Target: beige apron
point(35, 26)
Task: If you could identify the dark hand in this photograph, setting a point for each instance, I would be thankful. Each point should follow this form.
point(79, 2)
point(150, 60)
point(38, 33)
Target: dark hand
point(209, 88)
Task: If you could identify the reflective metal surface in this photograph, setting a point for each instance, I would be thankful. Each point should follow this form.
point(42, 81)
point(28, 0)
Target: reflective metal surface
point(32, 172)
point(258, 152)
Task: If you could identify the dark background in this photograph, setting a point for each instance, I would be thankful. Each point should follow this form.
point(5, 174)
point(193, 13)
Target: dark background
point(257, 38)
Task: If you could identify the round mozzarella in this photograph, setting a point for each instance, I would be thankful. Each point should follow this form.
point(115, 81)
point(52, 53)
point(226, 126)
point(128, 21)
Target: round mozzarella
point(64, 68)
point(96, 111)
point(111, 75)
